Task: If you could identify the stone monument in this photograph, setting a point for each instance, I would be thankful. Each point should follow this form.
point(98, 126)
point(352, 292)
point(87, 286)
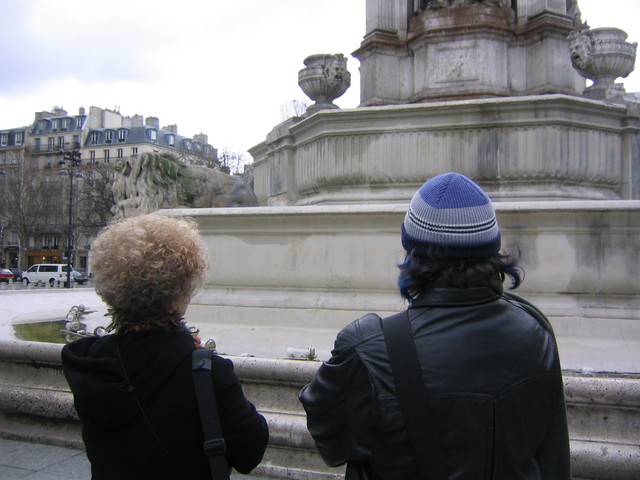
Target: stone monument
point(466, 50)
point(485, 88)
point(488, 89)
point(151, 182)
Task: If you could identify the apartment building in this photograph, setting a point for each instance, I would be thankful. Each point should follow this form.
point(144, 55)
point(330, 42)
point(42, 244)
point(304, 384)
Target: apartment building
point(31, 165)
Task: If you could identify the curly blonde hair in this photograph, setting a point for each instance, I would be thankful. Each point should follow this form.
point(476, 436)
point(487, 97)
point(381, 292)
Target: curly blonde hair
point(146, 266)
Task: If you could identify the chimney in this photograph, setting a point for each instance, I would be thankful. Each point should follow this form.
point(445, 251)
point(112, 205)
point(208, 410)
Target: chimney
point(171, 128)
point(202, 138)
point(152, 122)
point(45, 114)
point(137, 120)
point(81, 111)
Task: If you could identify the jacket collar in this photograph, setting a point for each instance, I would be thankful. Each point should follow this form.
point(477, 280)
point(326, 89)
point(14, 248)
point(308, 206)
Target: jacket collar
point(442, 294)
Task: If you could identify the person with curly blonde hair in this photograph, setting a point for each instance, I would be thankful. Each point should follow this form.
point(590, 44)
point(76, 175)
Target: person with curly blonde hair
point(164, 262)
point(133, 390)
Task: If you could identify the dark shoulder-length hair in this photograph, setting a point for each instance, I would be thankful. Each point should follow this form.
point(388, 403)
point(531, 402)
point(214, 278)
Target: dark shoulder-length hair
point(418, 273)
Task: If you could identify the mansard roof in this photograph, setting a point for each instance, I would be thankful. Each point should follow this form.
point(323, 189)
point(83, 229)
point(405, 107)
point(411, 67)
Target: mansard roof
point(137, 134)
point(13, 137)
point(57, 124)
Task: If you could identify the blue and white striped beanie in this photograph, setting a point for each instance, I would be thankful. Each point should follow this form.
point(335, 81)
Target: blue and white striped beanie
point(452, 212)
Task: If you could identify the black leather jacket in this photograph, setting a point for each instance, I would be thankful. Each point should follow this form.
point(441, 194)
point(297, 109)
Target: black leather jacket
point(493, 375)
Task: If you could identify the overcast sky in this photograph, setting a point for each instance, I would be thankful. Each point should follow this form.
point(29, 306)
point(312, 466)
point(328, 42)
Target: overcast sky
point(218, 67)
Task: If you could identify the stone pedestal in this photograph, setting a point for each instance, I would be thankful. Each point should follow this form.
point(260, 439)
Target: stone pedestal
point(539, 147)
point(480, 50)
point(460, 52)
point(36, 406)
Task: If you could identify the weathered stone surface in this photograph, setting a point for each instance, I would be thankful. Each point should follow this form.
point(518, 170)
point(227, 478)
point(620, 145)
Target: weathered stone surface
point(150, 182)
point(324, 78)
point(592, 401)
point(543, 147)
point(285, 274)
point(603, 55)
point(467, 50)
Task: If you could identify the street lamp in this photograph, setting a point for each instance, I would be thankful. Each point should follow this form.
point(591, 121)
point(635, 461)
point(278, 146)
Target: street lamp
point(3, 172)
point(73, 157)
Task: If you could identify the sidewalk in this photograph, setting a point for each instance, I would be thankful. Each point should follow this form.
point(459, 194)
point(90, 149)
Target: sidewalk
point(33, 461)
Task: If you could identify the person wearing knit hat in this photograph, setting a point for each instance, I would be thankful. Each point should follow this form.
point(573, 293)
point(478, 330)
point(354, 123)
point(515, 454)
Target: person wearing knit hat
point(453, 213)
point(474, 389)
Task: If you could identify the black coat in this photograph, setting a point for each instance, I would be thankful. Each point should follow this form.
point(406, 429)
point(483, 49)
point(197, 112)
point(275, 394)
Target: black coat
point(493, 377)
point(120, 443)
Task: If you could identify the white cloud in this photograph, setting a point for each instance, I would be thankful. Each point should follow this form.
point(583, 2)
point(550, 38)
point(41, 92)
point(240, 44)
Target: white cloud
point(221, 68)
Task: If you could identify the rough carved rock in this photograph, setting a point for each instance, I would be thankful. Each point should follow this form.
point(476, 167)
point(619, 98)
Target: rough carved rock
point(151, 182)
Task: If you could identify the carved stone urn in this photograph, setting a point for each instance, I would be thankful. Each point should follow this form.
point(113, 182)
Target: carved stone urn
point(324, 78)
point(602, 55)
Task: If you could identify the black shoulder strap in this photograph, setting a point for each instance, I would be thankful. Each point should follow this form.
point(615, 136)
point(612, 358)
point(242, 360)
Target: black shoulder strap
point(413, 398)
point(214, 445)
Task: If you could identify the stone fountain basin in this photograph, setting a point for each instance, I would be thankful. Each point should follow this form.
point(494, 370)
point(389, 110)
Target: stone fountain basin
point(37, 315)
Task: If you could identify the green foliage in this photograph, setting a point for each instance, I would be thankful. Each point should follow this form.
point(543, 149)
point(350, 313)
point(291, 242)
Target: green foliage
point(162, 169)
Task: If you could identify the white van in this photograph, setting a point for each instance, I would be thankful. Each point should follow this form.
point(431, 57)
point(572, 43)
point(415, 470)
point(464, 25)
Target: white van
point(46, 273)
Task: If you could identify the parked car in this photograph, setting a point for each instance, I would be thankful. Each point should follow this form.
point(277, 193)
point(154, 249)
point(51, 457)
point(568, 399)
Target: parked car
point(80, 275)
point(17, 274)
point(46, 272)
point(5, 275)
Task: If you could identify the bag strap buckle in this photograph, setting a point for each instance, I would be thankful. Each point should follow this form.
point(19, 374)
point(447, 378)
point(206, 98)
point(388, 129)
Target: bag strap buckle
point(214, 447)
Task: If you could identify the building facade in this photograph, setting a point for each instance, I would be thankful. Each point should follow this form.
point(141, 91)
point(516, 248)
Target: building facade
point(55, 178)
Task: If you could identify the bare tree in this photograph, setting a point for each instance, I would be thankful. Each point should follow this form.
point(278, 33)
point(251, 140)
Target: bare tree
point(95, 197)
point(232, 162)
point(294, 108)
point(198, 153)
point(32, 200)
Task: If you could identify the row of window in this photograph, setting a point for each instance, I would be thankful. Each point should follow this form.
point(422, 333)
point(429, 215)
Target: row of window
point(18, 139)
point(10, 238)
point(152, 135)
point(108, 136)
point(54, 143)
point(106, 154)
point(94, 157)
point(51, 241)
point(58, 143)
point(60, 124)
